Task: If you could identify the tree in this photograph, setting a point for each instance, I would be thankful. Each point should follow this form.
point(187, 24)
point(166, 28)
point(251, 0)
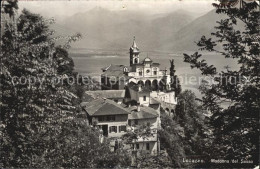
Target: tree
point(140, 158)
point(41, 126)
point(65, 62)
point(235, 127)
point(171, 136)
point(184, 135)
point(193, 118)
point(175, 83)
point(9, 7)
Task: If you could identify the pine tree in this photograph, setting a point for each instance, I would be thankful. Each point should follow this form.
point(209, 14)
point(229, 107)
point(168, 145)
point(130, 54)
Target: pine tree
point(235, 127)
point(175, 83)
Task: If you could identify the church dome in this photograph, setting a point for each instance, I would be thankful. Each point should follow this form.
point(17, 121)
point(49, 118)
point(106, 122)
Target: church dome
point(147, 59)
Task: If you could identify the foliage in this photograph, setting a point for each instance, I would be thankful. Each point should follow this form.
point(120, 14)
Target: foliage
point(175, 83)
point(185, 135)
point(171, 140)
point(191, 116)
point(116, 159)
point(41, 125)
point(65, 63)
point(235, 126)
point(10, 7)
point(154, 161)
point(142, 159)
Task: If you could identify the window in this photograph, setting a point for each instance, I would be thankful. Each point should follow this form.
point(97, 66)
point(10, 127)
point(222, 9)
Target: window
point(147, 146)
point(140, 73)
point(125, 69)
point(136, 60)
point(122, 128)
point(106, 118)
point(101, 118)
point(113, 129)
point(116, 145)
point(137, 146)
point(129, 122)
point(155, 72)
point(144, 98)
point(111, 118)
point(136, 122)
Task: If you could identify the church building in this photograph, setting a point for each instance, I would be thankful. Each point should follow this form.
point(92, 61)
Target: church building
point(131, 95)
point(144, 72)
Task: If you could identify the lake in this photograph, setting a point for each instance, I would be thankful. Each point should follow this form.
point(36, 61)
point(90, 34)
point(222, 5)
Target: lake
point(89, 62)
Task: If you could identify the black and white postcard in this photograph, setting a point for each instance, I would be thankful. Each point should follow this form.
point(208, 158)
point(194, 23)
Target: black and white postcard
point(130, 84)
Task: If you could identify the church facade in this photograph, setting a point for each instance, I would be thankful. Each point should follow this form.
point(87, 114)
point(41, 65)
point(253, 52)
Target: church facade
point(143, 81)
point(145, 73)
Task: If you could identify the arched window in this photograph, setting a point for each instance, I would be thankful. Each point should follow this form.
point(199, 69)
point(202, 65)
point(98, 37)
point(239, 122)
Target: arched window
point(140, 73)
point(125, 69)
point(136, 60)
point(154, 71)
point(155, 85)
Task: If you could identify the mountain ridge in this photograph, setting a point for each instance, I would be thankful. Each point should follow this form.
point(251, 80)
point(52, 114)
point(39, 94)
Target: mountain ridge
point(104, 29)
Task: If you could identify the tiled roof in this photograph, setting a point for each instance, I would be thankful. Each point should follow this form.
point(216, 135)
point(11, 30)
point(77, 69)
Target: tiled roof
point(144, 113)
point(134, 47)
point(110, 94)
point(154, 101)
point(105, 68)
point(99, 107)
point(115, 70)
point(147, 59)
point(155, 64)
point(87, 98)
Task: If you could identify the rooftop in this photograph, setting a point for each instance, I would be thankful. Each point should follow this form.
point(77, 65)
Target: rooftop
point(110, 94)
point(100, 107)
point(115, 70)
point(155, 64)
point(147, 59)
point(134, 47)
point(144, 113)
point(154, 101)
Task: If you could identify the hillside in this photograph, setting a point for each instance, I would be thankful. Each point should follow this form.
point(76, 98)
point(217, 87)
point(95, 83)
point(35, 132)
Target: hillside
point(104, 29)
point(114, 30)
point(185, 38)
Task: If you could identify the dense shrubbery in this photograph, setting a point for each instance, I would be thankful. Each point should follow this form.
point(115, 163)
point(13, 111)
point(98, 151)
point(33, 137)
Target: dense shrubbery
point(236, 126)
point(42, 124)
point(184, 135)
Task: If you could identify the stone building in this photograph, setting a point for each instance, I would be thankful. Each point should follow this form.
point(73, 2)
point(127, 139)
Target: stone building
point(131, 96)
point(144, 72)
point(110, 117)
point(115, 120)
point(140, 116)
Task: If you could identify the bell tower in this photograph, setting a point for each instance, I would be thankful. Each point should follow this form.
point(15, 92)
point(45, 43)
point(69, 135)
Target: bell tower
point(134, 54)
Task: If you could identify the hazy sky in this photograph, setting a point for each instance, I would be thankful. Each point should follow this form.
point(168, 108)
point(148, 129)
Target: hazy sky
point(68, 8)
